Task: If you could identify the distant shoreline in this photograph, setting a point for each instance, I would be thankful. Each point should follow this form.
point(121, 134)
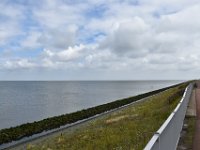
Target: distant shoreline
point(87, 80)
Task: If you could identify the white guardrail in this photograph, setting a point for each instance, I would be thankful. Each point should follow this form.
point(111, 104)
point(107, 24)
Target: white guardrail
point(167, 137)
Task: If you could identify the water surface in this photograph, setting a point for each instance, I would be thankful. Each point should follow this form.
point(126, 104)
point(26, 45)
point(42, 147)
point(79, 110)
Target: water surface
point(28, 101)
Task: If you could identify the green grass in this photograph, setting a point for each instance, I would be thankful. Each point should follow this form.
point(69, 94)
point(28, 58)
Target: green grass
point(187, 139)
point(130, 128)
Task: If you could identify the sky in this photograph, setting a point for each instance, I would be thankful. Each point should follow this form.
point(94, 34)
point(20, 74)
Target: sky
point(99, 39)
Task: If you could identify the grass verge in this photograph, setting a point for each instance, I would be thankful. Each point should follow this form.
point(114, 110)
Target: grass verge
point(187, 135)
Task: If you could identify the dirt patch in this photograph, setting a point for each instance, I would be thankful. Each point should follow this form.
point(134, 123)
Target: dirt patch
point(119, 118)
point(116, 119)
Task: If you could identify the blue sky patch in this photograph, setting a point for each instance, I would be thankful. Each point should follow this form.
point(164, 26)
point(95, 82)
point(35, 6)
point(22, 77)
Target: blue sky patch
point(96, 11)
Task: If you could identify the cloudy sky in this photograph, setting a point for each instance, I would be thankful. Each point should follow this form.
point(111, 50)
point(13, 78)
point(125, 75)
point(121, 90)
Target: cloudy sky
point(99, 39)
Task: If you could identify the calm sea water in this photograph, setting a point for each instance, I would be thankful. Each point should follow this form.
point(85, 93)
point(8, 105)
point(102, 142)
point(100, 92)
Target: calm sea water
point(28, 101)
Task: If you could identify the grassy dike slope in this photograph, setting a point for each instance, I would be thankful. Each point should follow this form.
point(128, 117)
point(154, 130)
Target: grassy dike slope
point(129, 128)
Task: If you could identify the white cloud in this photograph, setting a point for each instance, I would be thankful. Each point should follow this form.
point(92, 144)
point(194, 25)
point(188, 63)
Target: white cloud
point(31, 41)
point(65, 55)
point(129, 37)
point(54, 14)
point(10, 16)
point(144, 36)
point(18, 64)
point(58, 38)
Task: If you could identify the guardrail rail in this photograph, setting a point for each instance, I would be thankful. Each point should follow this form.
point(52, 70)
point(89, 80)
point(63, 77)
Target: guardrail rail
point(167, 137)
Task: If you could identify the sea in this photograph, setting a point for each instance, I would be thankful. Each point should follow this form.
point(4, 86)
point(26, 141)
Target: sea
point(28, 101)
